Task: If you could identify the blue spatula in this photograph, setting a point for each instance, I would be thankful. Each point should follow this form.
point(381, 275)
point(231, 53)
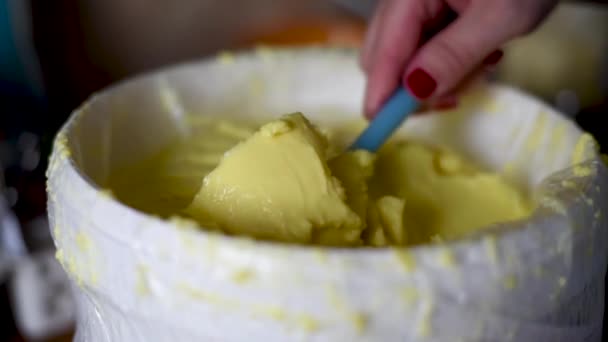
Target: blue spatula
point(399, 106)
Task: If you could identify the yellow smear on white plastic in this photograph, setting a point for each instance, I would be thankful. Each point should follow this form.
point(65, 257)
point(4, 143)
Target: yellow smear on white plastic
point(491, 106)
point(60, 257)
point(510, 282)
point(265, 53)
point(357, 319)
point(73, 270)
point(273, 312)
point(307, 323)
point(243, 276)
point(424, 327)
point(61, 141)
point(410, 295)
point(334, 298)
point(359, 322)
point(558, 290)
point(537, 133)
point(566, 183)
point(226, 58)
point(303, 321)
point(490, 245)
point(141, 280)
point(66, 153)
point(320, 255)
point(582, 171)
point(182, 222)
point(257, 87)
point(60, 152)
point(208, 297)
point(557, 138)
point(83, 241)
point(82, 268)
point(106, 193)
point(553, 204)
point(583, 148)
point(57, 233)
point(446, 258)
point(405, 259)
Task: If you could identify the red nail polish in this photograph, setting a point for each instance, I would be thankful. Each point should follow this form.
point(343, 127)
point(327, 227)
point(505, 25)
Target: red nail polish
point(421, 84)
point(493, 58)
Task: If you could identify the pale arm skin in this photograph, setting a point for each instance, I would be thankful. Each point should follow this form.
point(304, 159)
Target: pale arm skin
point(395, 52)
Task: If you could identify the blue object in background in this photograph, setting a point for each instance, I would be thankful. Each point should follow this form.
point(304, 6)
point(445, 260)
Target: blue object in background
point(11, 69)
point(19, 68)
point(389, 118)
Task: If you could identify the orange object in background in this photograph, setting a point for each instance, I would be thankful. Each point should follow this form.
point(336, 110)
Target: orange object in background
point(340, 33)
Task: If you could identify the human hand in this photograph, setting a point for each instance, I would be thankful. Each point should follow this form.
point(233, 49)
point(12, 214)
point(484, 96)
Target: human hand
point(396, 52)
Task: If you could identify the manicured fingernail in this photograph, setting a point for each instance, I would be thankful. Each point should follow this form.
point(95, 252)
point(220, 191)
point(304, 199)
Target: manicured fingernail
point(421, 84)
point(493, 58)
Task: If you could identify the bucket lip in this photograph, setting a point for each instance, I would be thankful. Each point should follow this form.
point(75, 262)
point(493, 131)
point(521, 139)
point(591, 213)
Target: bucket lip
point(511, 229)
point(246, 53)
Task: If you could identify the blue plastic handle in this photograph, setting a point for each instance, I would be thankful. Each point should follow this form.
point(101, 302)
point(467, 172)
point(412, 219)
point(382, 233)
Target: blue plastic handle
point(390, 117)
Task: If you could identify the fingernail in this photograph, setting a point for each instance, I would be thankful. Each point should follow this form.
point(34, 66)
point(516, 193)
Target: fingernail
point(493, 58)
point(421, 84)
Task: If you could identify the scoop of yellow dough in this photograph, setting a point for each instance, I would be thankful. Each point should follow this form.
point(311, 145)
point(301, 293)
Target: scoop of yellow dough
point(445, 196)
point(279, 185)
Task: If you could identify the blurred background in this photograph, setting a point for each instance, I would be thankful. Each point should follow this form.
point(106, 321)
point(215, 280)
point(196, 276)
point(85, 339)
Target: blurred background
point(54, 54)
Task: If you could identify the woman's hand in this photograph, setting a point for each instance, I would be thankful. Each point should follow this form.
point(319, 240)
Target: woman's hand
point(396, 51)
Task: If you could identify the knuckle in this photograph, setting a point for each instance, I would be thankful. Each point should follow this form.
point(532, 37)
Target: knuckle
point(453, 58)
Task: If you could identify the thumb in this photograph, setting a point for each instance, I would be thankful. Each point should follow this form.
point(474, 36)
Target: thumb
point(450, 56)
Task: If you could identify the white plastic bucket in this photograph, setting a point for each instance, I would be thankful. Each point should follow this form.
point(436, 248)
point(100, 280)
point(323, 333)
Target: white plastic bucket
point(142, 278)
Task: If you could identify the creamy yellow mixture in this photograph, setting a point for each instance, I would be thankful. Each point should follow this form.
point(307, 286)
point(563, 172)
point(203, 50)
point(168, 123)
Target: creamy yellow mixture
point(288, 181)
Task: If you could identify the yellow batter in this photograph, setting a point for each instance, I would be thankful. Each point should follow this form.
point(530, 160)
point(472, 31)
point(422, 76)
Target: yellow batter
point(277, 185)
point(286, 182)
